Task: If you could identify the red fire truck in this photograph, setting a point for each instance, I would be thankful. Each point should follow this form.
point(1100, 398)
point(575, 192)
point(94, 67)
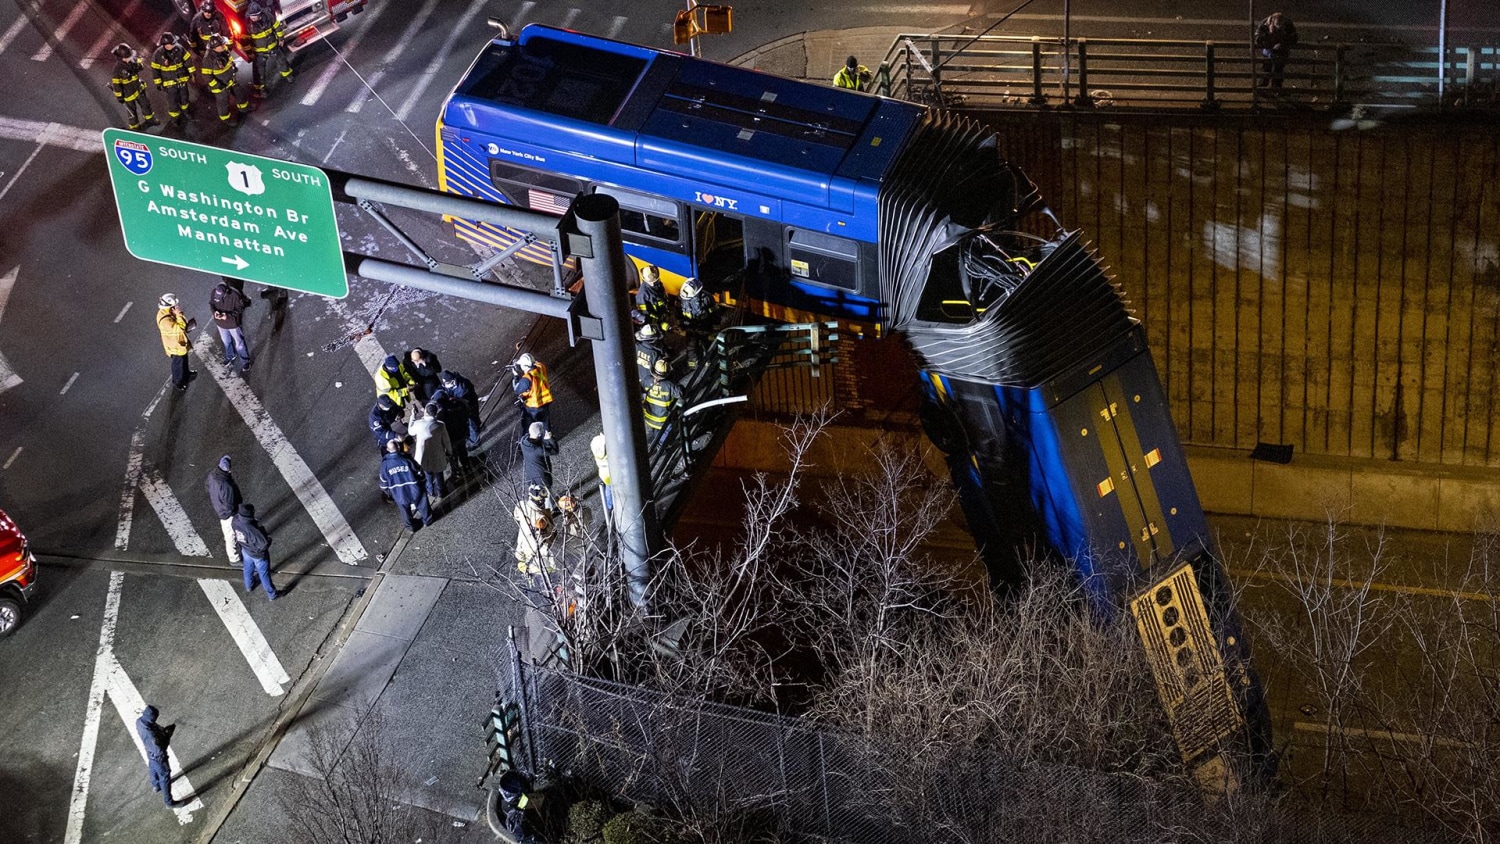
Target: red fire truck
point(17, 574)
point(307, 21)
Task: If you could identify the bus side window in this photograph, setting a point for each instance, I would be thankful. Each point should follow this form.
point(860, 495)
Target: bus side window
point(526, 188)
point(823, 259)
point(646, 219)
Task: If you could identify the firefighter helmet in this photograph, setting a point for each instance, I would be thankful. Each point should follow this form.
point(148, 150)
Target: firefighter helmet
point(690, 289)
point(650, 274)
point(537, 492)
point(167, 39)
point(660, 367)
point(648, 332)
point(122, 51)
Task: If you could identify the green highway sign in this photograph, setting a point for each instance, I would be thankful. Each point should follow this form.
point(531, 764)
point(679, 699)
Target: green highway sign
point(226, 212)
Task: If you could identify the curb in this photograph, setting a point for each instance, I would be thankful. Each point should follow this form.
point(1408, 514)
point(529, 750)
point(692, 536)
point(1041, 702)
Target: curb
point(301, 691)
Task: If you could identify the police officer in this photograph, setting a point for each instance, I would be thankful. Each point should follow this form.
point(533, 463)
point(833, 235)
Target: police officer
point(154, 740)
point(460, 391)
point(663, 404)
point(533, 390)
point(651, 301)
point(268, 46)
point(395, 381)
point(218, 69)
point(384, 421)
point(402, 482)
point(649, 351)
point(172, 70)
point(129, 89)
point(853, 75)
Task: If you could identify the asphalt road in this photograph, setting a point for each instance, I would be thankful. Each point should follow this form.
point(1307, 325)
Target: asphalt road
point(103, 464)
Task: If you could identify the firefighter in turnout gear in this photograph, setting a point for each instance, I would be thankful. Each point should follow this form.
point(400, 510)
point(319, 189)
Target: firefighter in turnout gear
point(651, 301)
point(699, 315)
point(649, 351)
point(218, 69)
point(268, 43)
point(172, 70)
point(129, 89)
point(663, 405)
point(207, 25)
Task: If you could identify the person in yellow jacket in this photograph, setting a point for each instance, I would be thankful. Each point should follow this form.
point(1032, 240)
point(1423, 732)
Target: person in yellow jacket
point(533, 390)
point(174, 328)
point(172, 70)
point(129, 89)
point(218, 70)
point(394, 381)
point(853, 75)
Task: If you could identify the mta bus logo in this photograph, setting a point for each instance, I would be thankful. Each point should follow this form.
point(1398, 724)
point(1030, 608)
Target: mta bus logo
point(716, 201)
point(136, 157)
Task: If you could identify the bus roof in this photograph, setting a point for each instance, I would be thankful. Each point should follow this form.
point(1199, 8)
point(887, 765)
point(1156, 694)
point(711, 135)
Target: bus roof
point(583, 97)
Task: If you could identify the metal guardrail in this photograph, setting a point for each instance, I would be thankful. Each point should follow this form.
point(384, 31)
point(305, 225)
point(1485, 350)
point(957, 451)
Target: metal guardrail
point(1016, 71)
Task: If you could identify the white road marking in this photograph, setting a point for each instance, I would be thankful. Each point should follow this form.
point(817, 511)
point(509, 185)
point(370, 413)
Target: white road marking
point(52, 134)
point(61, 33)
point(301, 478)
point(243, 629)
point(129, 703)
point(68, 386)
point(13, 456)
point(370, 352)
point(10, 34)
point(391, 55)
point(431, 70)
point(114, 33)
point(522, 15)
point(572, 16)
point(8, 376)
point(315, 91)
point(121, 315)
point(133, 466)
point(104, 659)
point(173, 517)
point(19, 171)
point(618, 25)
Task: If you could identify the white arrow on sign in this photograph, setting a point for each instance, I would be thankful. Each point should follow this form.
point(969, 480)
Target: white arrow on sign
point(238, 262)
point(8, 376)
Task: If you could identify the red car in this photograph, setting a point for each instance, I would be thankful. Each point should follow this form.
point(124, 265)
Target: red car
point(17, 574)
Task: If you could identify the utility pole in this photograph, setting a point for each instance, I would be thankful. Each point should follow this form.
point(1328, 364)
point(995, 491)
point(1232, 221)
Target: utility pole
point(604, 286)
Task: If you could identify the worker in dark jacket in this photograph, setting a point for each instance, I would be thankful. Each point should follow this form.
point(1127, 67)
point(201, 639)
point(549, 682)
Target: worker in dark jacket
point(402, 482)
point(129, 89)
point(663, 401)
point(207, 25)
point(228, 306)
point(537, 450)
point(224, 495)
point(425, 372)
point(649, 349)
point(385, 422)
point(651, 306)
point(1274, 39)
point(154, 740)
point(255, 548)
point(460, 390)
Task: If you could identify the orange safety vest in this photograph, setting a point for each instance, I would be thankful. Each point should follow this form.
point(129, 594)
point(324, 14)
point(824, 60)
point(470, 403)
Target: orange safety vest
point(540, 394)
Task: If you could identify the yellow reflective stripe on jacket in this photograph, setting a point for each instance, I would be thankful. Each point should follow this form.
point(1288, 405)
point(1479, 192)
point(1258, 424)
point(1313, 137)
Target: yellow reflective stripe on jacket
point(661, 400)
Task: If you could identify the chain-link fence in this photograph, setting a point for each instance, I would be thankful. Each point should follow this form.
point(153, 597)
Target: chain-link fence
point(727, 768)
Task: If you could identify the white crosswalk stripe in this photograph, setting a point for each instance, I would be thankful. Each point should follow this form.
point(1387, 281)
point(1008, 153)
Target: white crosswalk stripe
point(372, 82)
point(460, 29)
point(115, 34)
point(61, 33)
point(246, 634)
point(331, 71)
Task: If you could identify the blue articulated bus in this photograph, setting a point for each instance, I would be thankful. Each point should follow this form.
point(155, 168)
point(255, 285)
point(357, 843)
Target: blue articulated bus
point(804, 202)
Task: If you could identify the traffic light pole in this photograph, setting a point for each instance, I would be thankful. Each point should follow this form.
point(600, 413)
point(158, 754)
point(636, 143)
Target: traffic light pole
point(604, 286)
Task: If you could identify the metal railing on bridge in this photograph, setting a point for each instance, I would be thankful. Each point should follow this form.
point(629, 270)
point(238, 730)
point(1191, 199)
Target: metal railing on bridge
point(1000, 71)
